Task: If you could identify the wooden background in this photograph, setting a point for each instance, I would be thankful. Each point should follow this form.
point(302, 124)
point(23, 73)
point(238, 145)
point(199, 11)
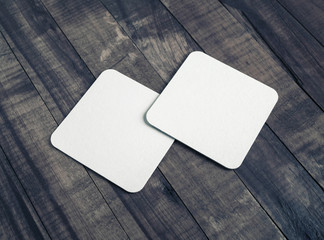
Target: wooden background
point(51, 51)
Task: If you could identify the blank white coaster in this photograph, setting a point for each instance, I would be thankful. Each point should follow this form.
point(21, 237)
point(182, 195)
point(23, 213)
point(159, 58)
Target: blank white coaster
point(213, 108)
point(106, 131)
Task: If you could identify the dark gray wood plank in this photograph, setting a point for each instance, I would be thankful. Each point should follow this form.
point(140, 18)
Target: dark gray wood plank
point(69, 205)
point(155, 32)
point(61, 78)
point(128, 63)
point(18, 218)
point(99, 40)
point(222, 207)
point(310, 14)
point(229, 197)
point(283, 187)
point(143, 210)
point(156, 29)
point(296, 48)
point(296, 119)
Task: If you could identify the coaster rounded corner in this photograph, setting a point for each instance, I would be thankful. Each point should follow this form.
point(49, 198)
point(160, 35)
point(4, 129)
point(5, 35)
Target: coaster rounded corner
point(133, 189)
point(275, 95)
point(148, 117)
point(232, 166)
point(53, 139)
point(196, 53)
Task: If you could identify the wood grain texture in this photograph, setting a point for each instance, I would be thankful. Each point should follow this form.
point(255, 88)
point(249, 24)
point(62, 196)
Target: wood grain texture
point(35, 40)
point(155, 32)
point(152, 24)
point(130, 62)
point(188, 196)
point(18, 218)
point(69, 205)
point(296, 119)
point(310, 14)
point(138, 66)
point(99, 40)
point(300, 53)
point(145, 210)
point(245, 222)
point(282, 186)
point(165, 211)
point(222, 207)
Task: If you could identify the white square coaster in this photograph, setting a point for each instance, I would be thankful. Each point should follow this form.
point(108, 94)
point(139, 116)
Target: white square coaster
point(106, 131)
point(213, 108)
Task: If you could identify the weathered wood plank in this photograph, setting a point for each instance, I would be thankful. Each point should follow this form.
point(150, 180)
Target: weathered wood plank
point(18, 218)
point(142, 210)
point(298, 50)
point(232, 195)
point(283, 187)
point(61, 77)
point(222, 207)
point(99, 40)
point(155, 32)
point(296, 119)
point(153, 26)
point(280, 184)
point(310, 14)
point(69, 205)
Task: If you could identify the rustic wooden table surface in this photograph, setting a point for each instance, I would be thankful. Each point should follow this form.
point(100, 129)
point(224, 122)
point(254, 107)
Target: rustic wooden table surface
point(51, 51)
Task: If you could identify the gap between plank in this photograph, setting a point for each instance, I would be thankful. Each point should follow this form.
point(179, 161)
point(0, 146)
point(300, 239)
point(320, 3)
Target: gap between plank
point(95, 78)
point(310, 33)
point(182, 201)
point(24, 190)
point(57, 125)
point(107, 203)
point(123, 30)
point(284, 69)
point(27, 75)
point(172, 144)
point(164, 81)
point(261, 206)
point(38, 95)
point(265, 123)
point(283, 64)
point(295, 157)
point(71, 45)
